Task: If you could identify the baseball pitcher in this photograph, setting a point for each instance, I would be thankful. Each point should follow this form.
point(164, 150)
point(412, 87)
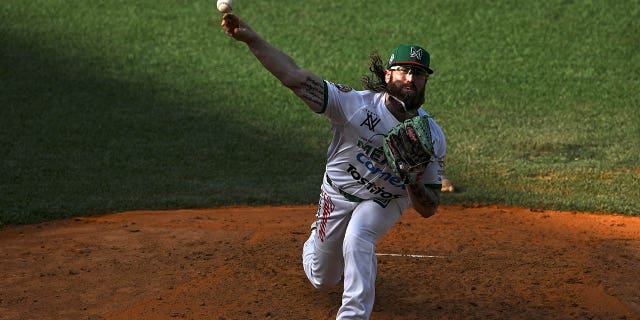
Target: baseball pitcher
point(386, 154)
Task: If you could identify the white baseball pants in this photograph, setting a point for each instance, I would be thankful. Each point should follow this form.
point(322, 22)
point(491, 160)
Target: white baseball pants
point(343, 244)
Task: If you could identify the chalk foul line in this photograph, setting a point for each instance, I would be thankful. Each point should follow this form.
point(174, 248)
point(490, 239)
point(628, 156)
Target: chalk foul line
point(407, 255)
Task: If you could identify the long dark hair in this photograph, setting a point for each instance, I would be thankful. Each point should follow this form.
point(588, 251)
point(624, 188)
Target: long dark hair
point(375, 81)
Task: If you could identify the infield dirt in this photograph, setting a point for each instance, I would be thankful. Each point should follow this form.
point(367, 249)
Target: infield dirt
point(245, 263)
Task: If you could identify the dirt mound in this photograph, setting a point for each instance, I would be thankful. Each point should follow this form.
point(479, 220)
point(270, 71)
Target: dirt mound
point(245, 263)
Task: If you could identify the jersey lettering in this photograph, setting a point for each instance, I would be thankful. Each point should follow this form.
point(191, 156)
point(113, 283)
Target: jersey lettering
point(386, 176)
point(376, 154)
point(375, 189)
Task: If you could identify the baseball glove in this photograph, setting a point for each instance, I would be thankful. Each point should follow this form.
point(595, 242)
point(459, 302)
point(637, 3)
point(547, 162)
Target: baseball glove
point(409, 148)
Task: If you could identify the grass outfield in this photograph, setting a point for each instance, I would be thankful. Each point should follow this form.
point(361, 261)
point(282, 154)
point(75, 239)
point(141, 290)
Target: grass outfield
point(117, 105)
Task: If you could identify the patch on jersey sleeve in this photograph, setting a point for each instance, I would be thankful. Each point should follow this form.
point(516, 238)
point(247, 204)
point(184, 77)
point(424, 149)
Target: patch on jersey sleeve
point(342, 87)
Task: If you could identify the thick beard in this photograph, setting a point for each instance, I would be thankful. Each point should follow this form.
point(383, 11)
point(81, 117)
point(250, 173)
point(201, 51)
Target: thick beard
point(412, 100)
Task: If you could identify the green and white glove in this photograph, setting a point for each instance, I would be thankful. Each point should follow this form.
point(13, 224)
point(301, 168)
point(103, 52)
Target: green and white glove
point(409, 148)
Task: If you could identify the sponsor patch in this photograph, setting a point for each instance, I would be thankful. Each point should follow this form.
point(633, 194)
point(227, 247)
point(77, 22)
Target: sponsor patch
point(342, 87)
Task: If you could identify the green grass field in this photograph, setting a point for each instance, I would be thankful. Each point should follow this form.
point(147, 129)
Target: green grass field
point(117, 105)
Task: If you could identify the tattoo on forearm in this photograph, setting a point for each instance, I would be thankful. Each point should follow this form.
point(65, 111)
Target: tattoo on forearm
point(312, 91)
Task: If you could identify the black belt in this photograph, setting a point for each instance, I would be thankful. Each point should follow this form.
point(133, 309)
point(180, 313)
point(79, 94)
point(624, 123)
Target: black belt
point(347, 196)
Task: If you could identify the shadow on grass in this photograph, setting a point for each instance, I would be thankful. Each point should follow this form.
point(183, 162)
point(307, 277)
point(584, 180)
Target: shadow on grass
point(76, 142)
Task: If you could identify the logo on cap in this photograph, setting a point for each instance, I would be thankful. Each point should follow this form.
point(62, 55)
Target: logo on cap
point(416, 53)
point(410, 54)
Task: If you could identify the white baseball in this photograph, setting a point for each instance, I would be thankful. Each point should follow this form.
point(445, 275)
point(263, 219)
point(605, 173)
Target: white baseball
point(225, 6)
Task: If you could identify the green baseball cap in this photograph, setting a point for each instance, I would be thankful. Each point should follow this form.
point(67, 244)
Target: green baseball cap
point(410, 54)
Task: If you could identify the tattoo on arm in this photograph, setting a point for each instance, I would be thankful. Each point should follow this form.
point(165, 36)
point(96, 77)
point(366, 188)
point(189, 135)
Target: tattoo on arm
point(312, 92)
point(425, 195)
point(425, 200)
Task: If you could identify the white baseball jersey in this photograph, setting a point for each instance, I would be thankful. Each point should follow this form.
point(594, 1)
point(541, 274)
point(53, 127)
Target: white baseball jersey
point(356, 162)
point(342, 243)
